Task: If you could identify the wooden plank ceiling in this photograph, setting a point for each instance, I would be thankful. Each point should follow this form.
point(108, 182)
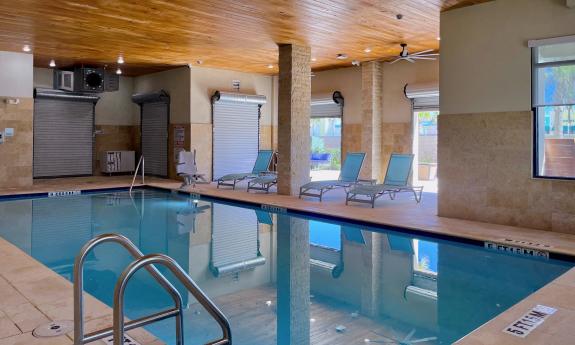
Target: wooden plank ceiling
point(242, 35)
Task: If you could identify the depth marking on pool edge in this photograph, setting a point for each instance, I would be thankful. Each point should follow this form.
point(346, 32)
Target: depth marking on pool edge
point(275, 209)
point(529, 321)
point(64, 193)
point(517, 250)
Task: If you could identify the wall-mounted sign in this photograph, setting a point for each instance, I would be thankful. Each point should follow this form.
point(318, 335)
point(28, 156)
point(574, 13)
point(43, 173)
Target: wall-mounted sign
point(179, 140)
point(529, 321)
point(500, 247)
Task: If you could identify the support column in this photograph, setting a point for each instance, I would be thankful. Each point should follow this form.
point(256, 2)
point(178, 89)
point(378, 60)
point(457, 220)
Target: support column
point(371, 275)
point(371, 105)
point(294, 104)
point(293, 281)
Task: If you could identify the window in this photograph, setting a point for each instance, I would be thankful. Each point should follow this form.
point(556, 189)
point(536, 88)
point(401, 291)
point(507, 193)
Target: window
point(554, 109)
point(325, 131)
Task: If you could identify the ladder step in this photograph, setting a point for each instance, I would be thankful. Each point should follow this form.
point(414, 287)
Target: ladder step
point(141, 322)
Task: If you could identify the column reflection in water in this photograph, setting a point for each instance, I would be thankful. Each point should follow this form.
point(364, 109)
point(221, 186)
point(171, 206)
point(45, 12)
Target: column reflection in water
point(293, 283)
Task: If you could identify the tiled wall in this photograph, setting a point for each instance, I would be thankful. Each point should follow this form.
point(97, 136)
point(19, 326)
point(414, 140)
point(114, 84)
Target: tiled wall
point(16, 152)
point(395, 138)
point(115, 138)
point(485, 174)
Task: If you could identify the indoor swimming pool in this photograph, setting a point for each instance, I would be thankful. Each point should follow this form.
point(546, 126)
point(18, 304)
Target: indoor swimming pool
point(280, 277)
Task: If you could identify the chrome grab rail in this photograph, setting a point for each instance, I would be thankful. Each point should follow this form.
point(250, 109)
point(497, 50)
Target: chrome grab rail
point(142, 162)
point(146, 261)
point(79, 337)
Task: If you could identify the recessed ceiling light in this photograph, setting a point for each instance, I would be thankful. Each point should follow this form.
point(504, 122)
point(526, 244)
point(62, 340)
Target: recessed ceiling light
point(355, 63)
point(438, 38)
point(52, 63)
point(118, 71)
point(367, 50)
point(341, 56)
point(270, 66)
point(313, 59)
point(120, 59)
point(399, 16)
point(26, 48)
point(199, 62)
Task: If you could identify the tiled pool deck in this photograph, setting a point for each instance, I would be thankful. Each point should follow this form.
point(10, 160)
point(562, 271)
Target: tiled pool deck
point(31, 294)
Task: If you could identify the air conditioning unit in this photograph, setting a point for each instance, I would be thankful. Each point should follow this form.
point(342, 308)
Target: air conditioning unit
point(64, 80)
point(86, 79)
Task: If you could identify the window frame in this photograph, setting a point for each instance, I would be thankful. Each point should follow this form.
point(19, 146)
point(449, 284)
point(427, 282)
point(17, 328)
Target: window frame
point(535, 66)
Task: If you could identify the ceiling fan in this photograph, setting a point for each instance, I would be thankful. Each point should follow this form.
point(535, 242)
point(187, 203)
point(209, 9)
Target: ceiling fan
point(423, 55)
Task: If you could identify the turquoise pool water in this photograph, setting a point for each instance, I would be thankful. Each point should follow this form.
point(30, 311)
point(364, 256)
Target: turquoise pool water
point(310, 280)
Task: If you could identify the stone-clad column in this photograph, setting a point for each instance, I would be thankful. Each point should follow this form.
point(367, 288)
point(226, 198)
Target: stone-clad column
point(371, 105)
point(293, 281)
point(294, 97)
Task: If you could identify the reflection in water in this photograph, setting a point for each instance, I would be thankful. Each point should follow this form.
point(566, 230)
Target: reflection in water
point(280, 279)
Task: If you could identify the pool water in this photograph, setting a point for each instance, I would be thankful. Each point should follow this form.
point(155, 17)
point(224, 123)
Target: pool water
point(279, 278)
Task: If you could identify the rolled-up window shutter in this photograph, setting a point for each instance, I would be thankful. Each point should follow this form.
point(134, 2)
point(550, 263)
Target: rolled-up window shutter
point(234, 240)
point(235, 132)
point(425, 96)
point(327, 105)
point(63, 133)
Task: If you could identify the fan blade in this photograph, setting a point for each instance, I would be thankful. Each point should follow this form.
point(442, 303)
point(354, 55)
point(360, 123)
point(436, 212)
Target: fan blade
point(423, 58)
point(422, 52)
point(423, 340)
point(410, 60)
point(437, 54)
point(394, 61)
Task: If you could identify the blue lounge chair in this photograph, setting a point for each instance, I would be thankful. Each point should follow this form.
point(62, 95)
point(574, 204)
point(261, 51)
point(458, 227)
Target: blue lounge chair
point(348, 176)
point(396, 181)
point(260, 167)
point(263, 182)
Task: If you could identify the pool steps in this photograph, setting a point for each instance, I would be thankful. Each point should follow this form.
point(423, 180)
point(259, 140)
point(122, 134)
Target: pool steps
point(140, 261)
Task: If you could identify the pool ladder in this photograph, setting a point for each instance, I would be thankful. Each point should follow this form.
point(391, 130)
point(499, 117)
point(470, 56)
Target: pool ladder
point(140, 261)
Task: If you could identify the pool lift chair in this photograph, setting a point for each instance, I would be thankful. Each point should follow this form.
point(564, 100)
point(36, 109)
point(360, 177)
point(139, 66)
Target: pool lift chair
point(148, 262)
point(188, 169)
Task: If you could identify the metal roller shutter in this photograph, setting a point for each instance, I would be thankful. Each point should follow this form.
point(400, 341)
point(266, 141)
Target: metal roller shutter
point(424, 96)
point(327, 105)
point(63, 137)
point(326, 110)
point(154, 127)
point(234, 239)
point(236, 126)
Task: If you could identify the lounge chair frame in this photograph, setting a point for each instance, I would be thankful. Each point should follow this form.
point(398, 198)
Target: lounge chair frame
point(256, 184)
point(391, 189)
point(232, 182)
point(330, 185)
point(392, 192)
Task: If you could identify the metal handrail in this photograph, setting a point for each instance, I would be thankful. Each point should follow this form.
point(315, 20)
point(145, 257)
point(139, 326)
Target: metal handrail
point(142, 162)
point(184, 278)
point(177, 311)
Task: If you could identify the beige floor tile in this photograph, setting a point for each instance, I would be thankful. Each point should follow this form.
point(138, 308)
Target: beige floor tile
point(9, 296)
point(29, 339)
point(7, 327)
point(26, 316)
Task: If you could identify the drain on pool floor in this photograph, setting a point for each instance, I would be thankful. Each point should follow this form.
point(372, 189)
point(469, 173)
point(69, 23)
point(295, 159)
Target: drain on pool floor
point(53, 329)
